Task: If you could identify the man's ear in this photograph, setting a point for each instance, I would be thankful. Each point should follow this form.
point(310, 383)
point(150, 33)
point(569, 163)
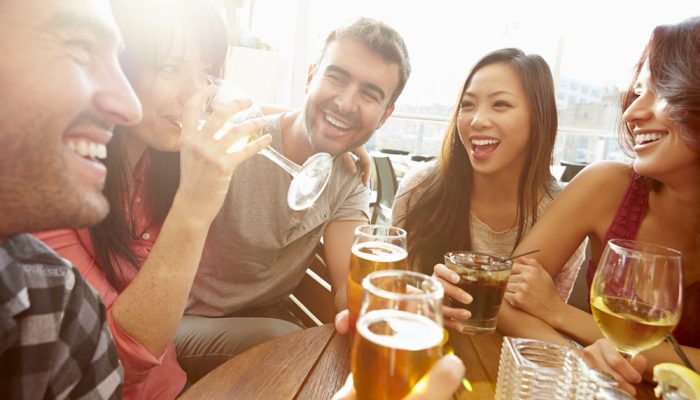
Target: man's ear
point(387, 114)
point(309, 76)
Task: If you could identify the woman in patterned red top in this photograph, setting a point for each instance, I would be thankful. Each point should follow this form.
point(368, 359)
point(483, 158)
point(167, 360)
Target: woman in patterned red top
point(657, 200)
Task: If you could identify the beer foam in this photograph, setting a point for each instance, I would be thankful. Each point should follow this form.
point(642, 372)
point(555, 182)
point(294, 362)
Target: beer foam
point(379, 251)
point(412, 332)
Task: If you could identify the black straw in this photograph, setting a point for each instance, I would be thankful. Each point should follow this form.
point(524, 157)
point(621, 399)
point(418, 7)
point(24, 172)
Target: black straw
point(672, 341)
point(520, 255)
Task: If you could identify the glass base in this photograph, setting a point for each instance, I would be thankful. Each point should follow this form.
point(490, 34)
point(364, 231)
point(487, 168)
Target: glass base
point(309, 183)
point(482, 327)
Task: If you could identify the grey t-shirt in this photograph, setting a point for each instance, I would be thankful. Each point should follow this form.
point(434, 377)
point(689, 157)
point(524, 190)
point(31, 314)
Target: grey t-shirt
point(258, 248)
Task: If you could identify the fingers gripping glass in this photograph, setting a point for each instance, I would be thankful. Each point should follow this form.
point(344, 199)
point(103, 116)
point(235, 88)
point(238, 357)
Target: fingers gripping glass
point(308, 180)
point(636, 294)
point(399, 333)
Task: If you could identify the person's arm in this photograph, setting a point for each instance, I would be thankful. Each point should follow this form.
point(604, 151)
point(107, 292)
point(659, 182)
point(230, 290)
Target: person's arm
point(531, 290)
point(596, 192)
point(338, 238)
point(513, 322)
point(76, 247)
point(339, 235)
point(585, 208)
point(665, 353)
point(151, 306)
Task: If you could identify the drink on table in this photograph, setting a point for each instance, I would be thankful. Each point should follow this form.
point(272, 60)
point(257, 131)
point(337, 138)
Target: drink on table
point(375, 248)
point(399, 333)
point(636, 294)
point(484, 277)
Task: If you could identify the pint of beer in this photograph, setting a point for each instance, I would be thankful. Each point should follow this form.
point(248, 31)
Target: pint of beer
point(375, 248)
point(399, 333)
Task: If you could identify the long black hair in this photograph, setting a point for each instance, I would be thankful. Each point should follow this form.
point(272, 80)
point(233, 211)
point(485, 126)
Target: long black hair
point(438, 211)
point(148, 29)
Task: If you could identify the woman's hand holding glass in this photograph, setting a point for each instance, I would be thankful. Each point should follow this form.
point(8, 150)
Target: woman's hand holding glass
point(449, 280)
point(206, 163)
point(603, 355)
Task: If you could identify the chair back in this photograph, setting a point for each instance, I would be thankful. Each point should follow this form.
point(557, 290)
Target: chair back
point(386, 189)
point(312, 300)
point(571, 169)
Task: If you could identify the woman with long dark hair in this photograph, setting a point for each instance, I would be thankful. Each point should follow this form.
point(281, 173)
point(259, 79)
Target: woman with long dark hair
point(167, 179)
point(492, 179)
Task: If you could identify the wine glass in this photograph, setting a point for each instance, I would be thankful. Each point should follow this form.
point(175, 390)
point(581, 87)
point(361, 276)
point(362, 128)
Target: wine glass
point(399, 333)
point(637, 294)
point(308, 180)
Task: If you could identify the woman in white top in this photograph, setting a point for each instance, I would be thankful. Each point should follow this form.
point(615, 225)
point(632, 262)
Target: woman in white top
point(492, 179)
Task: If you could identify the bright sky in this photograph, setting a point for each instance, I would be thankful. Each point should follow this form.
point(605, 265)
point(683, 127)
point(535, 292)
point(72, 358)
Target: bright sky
point(602, 39)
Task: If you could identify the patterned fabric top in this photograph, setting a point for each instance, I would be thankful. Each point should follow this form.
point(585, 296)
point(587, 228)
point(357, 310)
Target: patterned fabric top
point(54, 341)
point(629, 217)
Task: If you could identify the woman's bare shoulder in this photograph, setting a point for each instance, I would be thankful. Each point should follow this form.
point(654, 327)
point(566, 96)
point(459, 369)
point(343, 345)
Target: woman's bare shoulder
point(611, 176)
point(598, 189)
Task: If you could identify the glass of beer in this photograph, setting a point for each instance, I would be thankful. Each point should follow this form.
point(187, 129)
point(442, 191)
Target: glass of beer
point(308, 180)
point(375, 248)
point(637, 294)
point(399, 333)
point(484, 277)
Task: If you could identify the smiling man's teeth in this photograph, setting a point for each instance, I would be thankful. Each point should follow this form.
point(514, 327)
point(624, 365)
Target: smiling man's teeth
point(484, 142)
point(336, 123)
point(648, 137)
point(88, 149)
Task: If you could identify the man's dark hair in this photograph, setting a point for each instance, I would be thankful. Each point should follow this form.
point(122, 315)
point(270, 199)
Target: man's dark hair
point(382, 39)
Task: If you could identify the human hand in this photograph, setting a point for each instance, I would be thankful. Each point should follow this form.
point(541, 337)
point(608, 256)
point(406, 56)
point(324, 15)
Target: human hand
point(439, 383)
point(604, 356)
point(365, 162)
point(206, 163)
point(449, 279)
point(342, 322)
point(531, 289)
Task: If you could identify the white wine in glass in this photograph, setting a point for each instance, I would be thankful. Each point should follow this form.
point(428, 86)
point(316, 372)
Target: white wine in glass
point(637, 294)
point(308, 180)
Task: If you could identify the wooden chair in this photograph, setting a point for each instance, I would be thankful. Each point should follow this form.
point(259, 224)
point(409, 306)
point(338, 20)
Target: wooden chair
point(571, 169)
point(386, 189)
point(312, 300)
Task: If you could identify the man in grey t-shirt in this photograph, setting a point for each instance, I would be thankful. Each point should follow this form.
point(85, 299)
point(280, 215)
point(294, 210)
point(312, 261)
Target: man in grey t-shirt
point(258, 249)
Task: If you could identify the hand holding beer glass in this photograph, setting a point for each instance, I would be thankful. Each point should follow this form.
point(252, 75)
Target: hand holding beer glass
point(636, 294)
point(375, 248)
point(399, 333)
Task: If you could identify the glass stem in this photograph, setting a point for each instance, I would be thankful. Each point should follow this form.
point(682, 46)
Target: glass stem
point(283, 162)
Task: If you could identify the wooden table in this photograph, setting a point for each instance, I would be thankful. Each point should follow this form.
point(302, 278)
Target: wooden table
point(314, 363)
